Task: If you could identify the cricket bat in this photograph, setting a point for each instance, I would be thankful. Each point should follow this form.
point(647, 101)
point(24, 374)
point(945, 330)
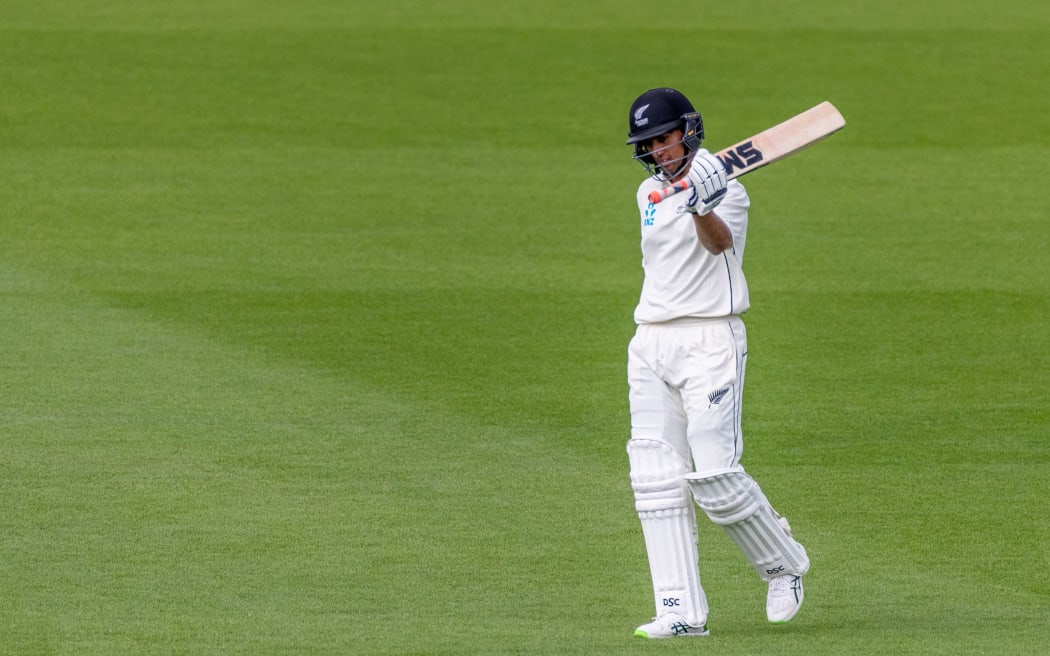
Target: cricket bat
point(770, 145)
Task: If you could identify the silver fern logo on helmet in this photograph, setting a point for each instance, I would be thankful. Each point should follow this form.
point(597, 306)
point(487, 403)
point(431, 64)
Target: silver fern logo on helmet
point(640, 120)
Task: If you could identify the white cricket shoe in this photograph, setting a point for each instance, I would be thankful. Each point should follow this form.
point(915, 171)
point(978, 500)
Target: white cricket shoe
point(670, 625)
point(784, 598)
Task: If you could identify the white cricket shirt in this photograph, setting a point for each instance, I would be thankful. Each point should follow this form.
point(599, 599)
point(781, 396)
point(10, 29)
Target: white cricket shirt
point(682, 278)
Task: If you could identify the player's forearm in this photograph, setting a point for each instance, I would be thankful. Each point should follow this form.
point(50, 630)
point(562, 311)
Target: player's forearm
point(713, 233)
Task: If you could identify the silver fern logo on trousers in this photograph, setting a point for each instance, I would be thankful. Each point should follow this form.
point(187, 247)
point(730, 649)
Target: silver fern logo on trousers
point(715, 397)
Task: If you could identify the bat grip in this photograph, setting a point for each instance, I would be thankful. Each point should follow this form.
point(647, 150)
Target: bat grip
point(667, 192)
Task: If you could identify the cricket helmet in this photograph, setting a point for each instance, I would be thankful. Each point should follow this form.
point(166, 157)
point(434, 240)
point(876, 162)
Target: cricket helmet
point(657, 112)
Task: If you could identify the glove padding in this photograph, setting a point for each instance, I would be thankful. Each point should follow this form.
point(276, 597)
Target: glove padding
point(708, 177)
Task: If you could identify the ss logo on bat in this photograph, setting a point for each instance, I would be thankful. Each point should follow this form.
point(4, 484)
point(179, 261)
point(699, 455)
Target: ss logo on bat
point(741, 156)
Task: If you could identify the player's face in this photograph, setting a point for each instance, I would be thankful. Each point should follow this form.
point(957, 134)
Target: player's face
point(669, 152)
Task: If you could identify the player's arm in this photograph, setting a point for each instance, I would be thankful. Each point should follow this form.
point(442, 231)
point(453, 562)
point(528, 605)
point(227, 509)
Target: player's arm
point(712, 232)
point(709, 184)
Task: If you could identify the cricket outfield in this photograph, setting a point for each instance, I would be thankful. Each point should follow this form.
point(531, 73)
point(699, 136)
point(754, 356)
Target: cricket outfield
point(315, 314)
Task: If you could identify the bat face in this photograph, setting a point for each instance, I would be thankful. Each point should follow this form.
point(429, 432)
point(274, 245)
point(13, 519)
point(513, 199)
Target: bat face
point(771, 144)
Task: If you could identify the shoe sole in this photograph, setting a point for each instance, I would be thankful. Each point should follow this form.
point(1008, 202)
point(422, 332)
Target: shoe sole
point(643, 634)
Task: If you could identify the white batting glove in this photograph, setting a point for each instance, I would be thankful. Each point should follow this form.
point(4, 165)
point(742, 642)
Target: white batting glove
point(708, 177)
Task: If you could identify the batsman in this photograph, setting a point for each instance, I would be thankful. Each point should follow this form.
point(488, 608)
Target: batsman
point(685, 372)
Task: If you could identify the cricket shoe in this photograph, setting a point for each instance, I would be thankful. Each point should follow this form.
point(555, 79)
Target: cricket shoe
point(784, 598)
point(670, 625)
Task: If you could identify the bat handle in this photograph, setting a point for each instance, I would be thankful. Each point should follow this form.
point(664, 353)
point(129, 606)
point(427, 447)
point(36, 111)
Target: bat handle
point(667, 192)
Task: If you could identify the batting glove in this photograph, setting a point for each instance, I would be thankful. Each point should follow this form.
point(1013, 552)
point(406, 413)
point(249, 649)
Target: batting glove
point(708, 177)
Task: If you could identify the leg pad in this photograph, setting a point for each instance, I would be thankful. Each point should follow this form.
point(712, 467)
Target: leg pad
point(734, 501)
point(668, 518)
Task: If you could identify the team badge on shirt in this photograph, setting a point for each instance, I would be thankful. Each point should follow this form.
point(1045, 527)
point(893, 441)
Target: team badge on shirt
point(650, 214)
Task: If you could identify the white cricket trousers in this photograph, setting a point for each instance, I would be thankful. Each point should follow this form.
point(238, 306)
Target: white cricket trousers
point(686, 381)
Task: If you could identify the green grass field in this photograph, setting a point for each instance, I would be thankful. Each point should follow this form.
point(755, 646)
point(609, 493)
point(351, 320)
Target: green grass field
point(314, 319)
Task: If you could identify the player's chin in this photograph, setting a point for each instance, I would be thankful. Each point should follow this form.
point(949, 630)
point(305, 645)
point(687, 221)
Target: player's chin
point(672, 172)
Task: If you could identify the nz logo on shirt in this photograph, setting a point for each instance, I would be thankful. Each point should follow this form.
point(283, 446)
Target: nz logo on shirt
point(650, 215)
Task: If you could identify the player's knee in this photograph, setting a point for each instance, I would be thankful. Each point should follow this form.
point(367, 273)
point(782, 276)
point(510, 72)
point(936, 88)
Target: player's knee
point(728, 497)
point(657, 476)
point(655, 460)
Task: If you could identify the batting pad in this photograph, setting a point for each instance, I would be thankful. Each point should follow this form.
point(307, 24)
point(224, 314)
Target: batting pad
point(668, 518)
point(734, 501)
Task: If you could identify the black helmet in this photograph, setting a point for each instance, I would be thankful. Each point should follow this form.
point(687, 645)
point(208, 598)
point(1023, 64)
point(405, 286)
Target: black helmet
point(657, 112)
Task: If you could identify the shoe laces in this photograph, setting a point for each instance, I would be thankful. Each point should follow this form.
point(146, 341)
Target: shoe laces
point(783, 586)
point(670, 619)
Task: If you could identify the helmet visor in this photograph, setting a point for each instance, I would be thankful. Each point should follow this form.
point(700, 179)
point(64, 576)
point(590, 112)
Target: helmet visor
point(654, 131)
